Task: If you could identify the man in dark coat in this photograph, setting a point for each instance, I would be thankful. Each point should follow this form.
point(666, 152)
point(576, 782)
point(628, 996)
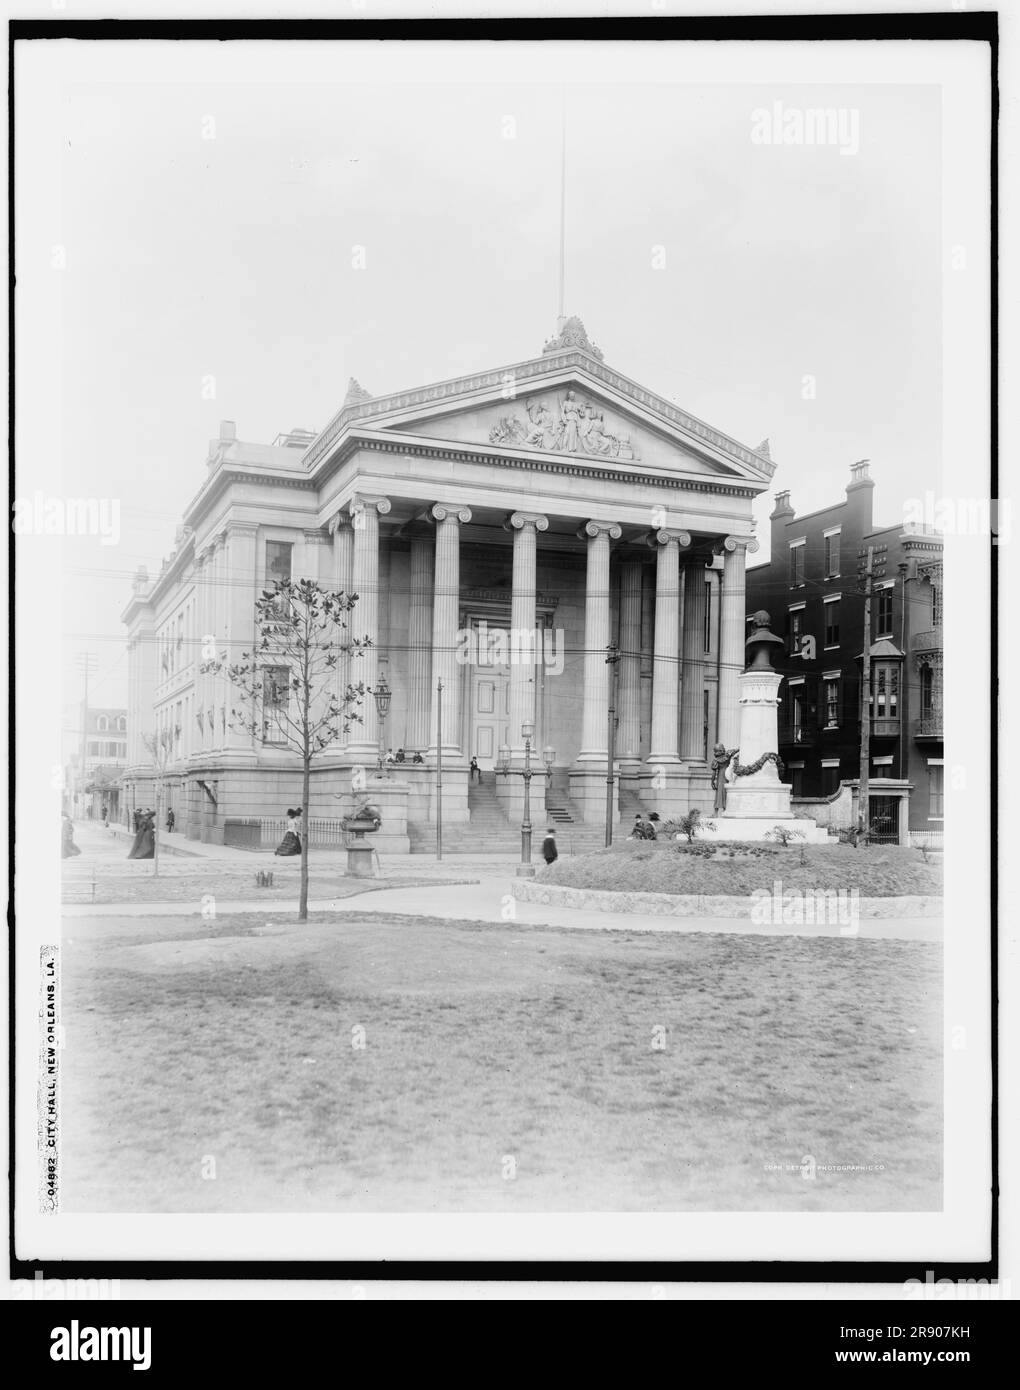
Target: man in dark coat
point(549, 851)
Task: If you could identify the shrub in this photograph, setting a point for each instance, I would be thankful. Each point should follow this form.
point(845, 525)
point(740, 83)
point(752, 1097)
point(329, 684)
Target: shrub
point(688, 826)
point(783, 835)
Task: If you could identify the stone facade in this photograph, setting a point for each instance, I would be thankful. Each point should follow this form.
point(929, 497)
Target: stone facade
point(500, 532)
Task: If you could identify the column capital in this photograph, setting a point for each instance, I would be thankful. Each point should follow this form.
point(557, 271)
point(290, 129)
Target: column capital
point(730, 543)
point(339, 521)
point(667, 536)
point(444, 511)
point(364, 502)
point(519, 521)
point(591, 529)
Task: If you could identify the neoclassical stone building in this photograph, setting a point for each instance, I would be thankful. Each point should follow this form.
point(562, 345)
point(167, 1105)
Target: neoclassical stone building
point(501, 530)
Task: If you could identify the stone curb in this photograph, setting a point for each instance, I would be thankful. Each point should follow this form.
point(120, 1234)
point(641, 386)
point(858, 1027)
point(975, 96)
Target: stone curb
point(698, 905)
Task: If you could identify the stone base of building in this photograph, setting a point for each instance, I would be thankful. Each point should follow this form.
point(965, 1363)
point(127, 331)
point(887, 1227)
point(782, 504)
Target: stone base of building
point(588, 793)
point(675, 790)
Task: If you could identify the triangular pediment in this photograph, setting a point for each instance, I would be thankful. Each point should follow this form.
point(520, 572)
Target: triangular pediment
point(569, 414)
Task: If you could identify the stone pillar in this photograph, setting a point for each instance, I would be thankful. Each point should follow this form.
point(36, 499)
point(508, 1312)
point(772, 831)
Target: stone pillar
point(445, 622)
point(419, 692)
point(363, 743)
point(524, 631)
point(596, 640)
point(692, 680)
point(239, 606)
point(341, 582)
point(663, 788)
point(588, 778)
point(628, 735)
point(221, 686)
point(664, 749)
point(319, 556)
point(732, 625)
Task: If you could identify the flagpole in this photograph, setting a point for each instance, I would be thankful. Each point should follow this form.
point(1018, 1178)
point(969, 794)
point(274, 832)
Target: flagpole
point(561, 317)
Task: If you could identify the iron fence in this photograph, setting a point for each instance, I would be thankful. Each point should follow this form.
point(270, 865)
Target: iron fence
point(324, 832)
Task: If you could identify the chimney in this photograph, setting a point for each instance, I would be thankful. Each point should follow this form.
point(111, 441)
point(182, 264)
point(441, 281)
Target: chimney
point(783, 507)
point(228, 431)
point(140, 579)
point(860, 491)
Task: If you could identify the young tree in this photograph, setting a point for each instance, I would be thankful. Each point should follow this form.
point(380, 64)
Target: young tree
point(288, 680)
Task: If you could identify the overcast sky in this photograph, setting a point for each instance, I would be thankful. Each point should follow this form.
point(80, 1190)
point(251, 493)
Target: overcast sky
point(232, 257)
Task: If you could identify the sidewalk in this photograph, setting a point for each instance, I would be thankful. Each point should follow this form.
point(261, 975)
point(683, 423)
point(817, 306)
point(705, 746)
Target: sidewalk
point(490, 901)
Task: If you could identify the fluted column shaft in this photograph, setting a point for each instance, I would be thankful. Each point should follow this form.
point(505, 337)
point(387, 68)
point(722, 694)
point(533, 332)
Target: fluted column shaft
point(365, 513)
point(666, 660)
point(419, 662)
point(628, 741)
point(523, 616)
point(445, 622)
point(343, 583)
point(239, 566)
point(692, 679)
point(596, 640)
point(732, 628)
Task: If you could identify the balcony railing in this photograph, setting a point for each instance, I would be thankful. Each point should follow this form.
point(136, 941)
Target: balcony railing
point(929, 726)
point(884, 727)
point(927, 641)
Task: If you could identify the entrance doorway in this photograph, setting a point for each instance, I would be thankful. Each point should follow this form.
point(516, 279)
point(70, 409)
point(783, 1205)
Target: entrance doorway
point(490, 698)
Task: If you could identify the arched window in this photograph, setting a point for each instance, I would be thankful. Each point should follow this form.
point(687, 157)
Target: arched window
point(122, 723)
point(102, 724)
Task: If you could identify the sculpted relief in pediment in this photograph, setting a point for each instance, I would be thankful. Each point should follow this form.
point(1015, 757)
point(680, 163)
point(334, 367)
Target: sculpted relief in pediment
point(563, 423)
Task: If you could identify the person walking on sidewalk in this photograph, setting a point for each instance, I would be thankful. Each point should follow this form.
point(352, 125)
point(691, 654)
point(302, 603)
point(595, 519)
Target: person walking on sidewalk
point(549, 851)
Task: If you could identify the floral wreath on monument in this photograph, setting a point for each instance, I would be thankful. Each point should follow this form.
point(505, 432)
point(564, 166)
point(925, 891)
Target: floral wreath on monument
point(746, 770)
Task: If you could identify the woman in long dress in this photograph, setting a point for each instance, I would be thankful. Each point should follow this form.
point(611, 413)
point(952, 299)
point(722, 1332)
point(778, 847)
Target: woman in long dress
point(291, 842)
point(68, 849)
point(144, 846)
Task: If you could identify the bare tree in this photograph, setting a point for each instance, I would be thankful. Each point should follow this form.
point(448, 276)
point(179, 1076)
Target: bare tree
point(289, 679)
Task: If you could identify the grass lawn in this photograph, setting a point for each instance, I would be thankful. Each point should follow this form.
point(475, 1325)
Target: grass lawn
point(663, 866)
point(232, 1041)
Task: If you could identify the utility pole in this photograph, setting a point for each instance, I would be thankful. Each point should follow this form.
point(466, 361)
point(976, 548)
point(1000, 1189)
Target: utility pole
point(86, 664)
point(439, 770)
point(613, 662)
point(863, 790)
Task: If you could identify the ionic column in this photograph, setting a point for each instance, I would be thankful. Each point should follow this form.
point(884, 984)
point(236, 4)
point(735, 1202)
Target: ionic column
point(363, 742)
point(419, 684)
point(342, 583)
point(239, 609)
point(692, 679)
point(205, 649)
point(596, 640)
point(628, 738)
point(523, 617)
point(732, 629)
point(445, 622)
point(666, 660)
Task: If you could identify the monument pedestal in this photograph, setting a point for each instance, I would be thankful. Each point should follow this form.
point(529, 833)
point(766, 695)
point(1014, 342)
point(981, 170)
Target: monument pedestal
point(756, 800)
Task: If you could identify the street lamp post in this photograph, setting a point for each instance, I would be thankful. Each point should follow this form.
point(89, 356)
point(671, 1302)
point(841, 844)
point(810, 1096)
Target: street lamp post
point(613, 662)
point(525, 868)
point(383, 695)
